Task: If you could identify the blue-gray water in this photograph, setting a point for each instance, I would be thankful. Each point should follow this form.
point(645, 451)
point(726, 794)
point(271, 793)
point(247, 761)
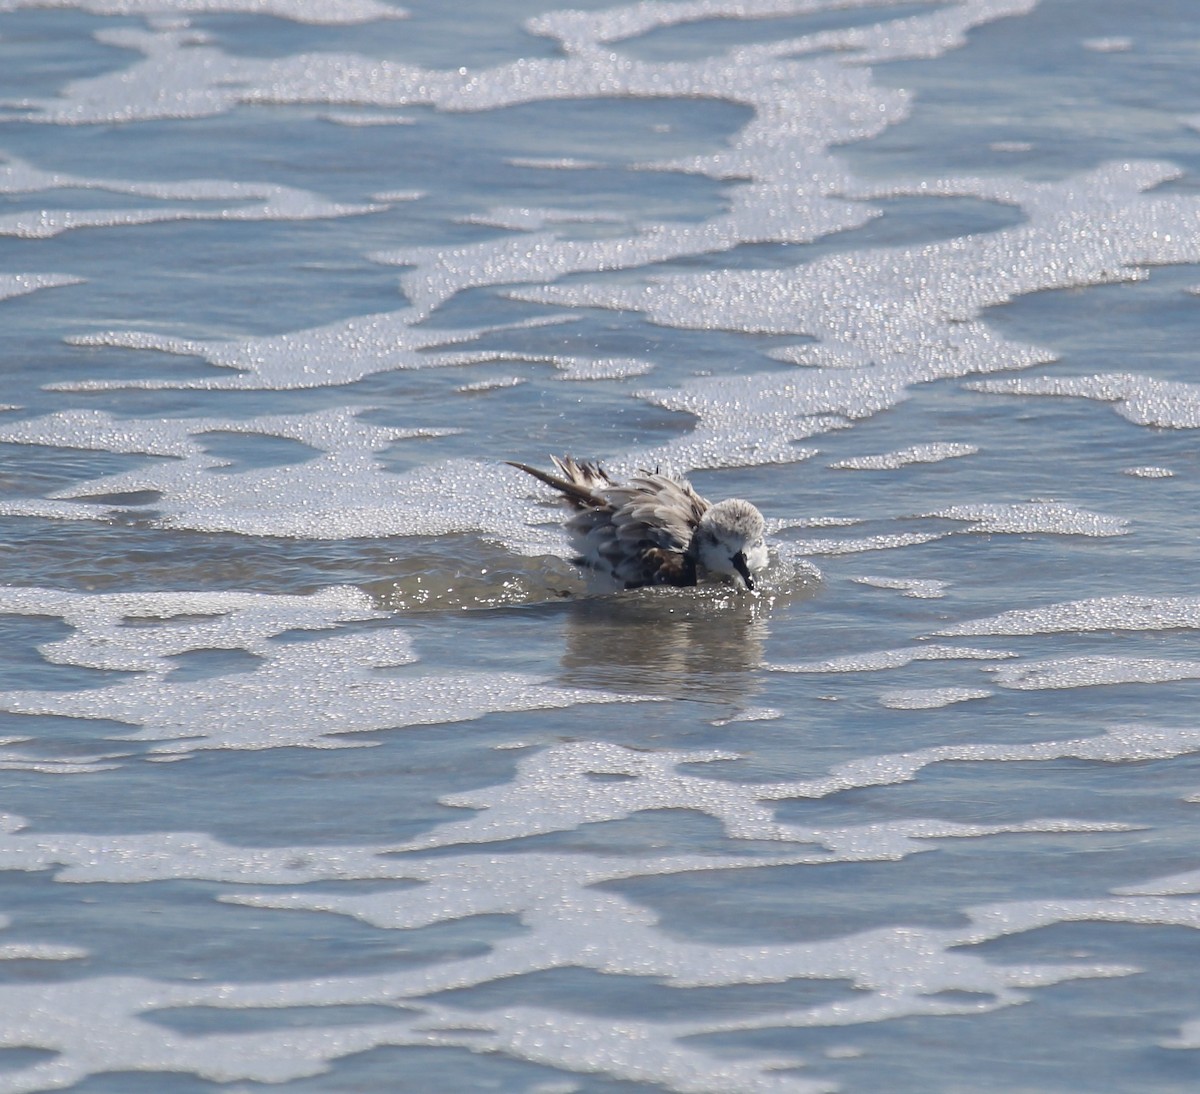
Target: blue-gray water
point(319, 772)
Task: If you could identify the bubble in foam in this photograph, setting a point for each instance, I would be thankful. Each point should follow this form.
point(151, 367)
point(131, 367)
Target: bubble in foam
point(321, 12)
point(1110, 44)
point(920, 588)
point(1100, 613)
point(22, 284)
point(930, 698)
point(934, 452)
point(243, 201)
point(878, 660)
point(1082, 672)
point(887, 541)
point(1024, 518)
point(1149, 472)
point(336, 353)
point(1144, 400)
point(569, 366)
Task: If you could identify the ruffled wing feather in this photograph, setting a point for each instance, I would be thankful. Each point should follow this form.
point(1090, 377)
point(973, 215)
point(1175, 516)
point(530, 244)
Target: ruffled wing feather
point(635, 534)
point(643, 538)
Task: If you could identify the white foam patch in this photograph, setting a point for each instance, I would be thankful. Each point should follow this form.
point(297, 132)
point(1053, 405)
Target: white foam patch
point(1082, 672)
point(443, 272)
point(36, 951)
point(23, 284)
point(553, 163)
point(813, 522)
point(570, 366)
point(97, 1024)
point(602, 368)
point(878, 660)
point(556, 789)
point(221, 200)
point(526, 218)
point(12, 759)
point(784, 201)
point(1111, 44)
point(129, 859)
point(295, 701)
point(1089, 229)
point(571, 920)
point(921, 588)
point(1173, 885)
point(1149, 472)
point(754, 714)
point(341, 492)
point(576, 29)
point(921, 35)
point(302, 694)
point(32, 951)
point(164, 856)
point(896, 972)
point(360, 121)
point(758, 419)
point(336, 353)
point(888, 541)
point(637, 1051)
point(1189, 1033)
point(1143, 400)
point(1025, 518)
point(496, 384)
point(929, 698)
point(1118, 744)
point(323, 12)
point(1078, 230)
point(101, 431)
point(391, 197)
point(918, 453)
point(1099, 613)
point(103, 637)
point(574, 925)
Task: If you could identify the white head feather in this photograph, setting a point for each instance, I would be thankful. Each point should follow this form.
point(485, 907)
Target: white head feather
point(729, 541)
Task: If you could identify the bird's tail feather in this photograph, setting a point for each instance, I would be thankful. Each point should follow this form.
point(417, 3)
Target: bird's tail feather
point(578, 484)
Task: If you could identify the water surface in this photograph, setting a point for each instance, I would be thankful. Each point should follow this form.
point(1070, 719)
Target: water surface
point(319, 769)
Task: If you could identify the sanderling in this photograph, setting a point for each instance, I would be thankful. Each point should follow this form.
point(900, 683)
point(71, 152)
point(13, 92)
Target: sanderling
point(654, 529)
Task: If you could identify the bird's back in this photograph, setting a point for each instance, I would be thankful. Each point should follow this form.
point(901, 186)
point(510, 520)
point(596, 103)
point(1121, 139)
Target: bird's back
point(630, 534)
point(643, 536)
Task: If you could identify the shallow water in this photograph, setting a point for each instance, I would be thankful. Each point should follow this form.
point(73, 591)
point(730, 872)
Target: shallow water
point(319, 769)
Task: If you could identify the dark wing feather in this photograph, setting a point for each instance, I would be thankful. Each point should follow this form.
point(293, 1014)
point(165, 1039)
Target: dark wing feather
point(661, 567)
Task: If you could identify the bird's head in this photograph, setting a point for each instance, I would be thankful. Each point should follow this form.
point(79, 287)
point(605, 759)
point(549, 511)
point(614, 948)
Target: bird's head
point(729, 541)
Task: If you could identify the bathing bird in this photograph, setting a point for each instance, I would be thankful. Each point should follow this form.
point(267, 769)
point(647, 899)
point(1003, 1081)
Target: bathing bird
point(653, 529)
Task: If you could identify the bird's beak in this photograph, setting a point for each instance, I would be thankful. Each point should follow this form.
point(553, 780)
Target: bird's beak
point(739, 564)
